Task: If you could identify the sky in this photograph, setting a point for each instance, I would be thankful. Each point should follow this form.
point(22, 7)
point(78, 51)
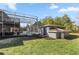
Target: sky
point(42, 10)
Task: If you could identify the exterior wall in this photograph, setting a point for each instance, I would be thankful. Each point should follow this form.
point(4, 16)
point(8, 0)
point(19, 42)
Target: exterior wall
point(47, 28)
point(61, 35)
point(42, 31)
point(52, 34)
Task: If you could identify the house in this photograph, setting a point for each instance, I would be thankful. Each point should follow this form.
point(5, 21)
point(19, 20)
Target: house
point(8, 24)
point(54, 31)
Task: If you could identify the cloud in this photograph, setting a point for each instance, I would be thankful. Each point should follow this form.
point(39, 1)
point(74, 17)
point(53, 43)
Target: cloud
point(74, 9)
point(12, 5)
point(53, 6)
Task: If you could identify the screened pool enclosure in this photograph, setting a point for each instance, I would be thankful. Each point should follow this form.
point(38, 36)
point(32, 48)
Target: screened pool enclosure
point(11, 22)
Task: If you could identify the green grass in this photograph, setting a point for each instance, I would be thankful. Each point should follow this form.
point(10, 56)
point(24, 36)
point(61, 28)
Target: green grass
point(45, 46)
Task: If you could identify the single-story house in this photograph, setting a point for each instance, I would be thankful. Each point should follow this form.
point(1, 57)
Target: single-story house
point(54, 31)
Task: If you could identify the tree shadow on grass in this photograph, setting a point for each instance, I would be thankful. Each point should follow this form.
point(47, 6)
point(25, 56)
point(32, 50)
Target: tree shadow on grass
point(11, 42)
point(30, 38)
point(8, 45)
point(33, 37)
point(1, 53)
point(71, 37)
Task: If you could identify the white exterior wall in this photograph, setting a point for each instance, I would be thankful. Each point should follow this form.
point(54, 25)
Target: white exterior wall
point(42, 31)
point(52, 35)
point(62, 35)
point(47, 28)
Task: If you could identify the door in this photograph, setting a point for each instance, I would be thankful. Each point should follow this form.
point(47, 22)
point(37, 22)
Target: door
point(45, 31)
point(59, 35)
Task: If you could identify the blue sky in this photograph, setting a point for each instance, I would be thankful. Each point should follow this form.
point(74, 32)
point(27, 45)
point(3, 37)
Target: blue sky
point(45, 9)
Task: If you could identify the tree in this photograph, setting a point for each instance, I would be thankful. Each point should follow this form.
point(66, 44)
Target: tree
point(66, 18)
point(64, 21)
point(58, 21)
point(47, 20)
point(67, 23)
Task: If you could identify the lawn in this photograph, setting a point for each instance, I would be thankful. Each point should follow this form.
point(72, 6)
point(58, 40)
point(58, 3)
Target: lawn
point(45, 46)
